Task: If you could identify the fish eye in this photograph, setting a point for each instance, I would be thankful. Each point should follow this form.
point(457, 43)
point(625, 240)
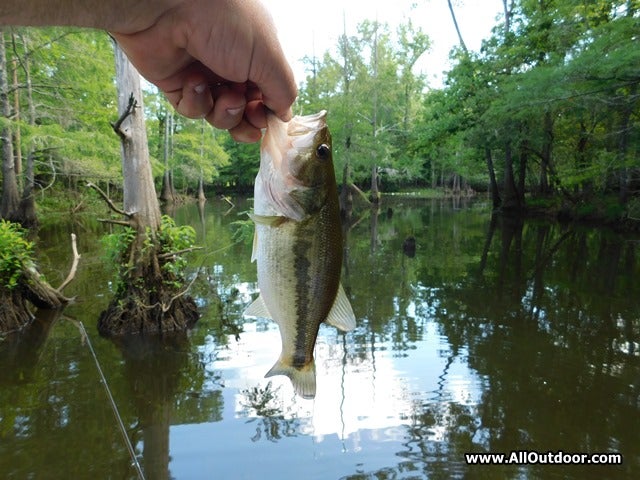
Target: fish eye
point(323, 151)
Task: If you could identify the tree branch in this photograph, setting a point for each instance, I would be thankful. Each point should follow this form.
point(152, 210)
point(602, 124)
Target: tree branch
point(74, 265)
point(179, 252)
point(128, 111)
point(124, 223)
point(228, 200)
point(109, 201)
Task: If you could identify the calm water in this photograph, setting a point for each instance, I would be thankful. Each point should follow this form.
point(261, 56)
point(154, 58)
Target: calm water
point(488, 337)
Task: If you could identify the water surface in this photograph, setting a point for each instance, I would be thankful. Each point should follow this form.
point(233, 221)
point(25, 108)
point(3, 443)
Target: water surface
point(485, 335)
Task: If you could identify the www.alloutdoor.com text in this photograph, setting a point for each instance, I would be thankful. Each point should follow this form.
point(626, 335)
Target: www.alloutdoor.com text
point(529, 457)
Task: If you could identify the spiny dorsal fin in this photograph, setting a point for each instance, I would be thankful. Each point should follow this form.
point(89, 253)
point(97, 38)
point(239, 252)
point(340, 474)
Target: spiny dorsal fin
point(257, 309)
point(341, 315)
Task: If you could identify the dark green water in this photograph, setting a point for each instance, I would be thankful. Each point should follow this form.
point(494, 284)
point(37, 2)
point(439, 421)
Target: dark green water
point(489, 337)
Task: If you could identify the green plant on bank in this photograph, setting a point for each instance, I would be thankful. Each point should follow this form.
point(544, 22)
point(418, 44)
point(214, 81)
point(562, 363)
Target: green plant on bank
point(16, 253)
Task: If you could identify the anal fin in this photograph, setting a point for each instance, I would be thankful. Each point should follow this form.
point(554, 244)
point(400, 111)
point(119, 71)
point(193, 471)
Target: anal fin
point(257, 309)
point(341, 315)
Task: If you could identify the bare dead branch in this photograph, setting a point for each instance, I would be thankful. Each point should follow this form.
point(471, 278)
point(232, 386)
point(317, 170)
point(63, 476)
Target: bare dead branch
point(227, 199)
point(128, 111)
point(362, 195)
point(77, 207)
point(124, 223)
point(53, 174)
point(166, 307)
point(178, 252)
point(108, 200)
point(74, 264)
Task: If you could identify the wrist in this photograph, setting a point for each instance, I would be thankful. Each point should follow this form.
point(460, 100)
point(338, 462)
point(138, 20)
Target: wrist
point(126, 16)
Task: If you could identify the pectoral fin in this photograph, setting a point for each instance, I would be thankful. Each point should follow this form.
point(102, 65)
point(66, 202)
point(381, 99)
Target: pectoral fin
point(257, 309)
point(341, 315)
point(254, 249)
point(271, 221)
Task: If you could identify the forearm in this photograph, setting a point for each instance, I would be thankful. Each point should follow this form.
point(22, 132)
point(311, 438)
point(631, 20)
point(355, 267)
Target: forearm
point(115, 15)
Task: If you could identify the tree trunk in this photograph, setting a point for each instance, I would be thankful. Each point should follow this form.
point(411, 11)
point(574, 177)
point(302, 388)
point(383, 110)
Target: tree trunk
point(455, 24)
point(522, 171)
point(148, 301)
point(17, 138)
point(375, 192)
point(374, 196)
point(493, 184)
point(139, 195)
point(167, 194)
point(201, 196)
point(26, 213)
point(10, 196)
point(511, 200)
point(623, 145)
point(545, 163)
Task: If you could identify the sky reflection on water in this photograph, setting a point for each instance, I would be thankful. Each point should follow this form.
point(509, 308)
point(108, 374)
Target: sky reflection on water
point(357, 422)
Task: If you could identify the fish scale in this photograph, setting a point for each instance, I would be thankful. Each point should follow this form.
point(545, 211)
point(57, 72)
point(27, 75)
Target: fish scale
point(298, 243)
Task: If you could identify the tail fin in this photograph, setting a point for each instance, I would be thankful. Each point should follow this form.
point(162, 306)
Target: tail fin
point(303, 379)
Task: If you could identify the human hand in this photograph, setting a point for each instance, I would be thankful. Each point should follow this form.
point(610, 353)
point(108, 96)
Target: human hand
point(214, 59)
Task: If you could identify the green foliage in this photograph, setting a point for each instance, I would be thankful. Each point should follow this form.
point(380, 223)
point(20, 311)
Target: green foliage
point(371, 94)
point(192, 148)
point(243, 229)
point(559, 91)
point(553, 97)
point(115, 247)
point(243, 167)
point(65, 112)
point(170, 238)
point(16, 254)
point(175, 238)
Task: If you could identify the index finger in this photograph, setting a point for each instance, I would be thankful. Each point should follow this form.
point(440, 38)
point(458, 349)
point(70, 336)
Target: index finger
point(277, 84)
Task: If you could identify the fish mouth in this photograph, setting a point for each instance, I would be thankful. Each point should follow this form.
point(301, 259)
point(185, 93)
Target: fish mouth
point(284, 146)
point(301, 129)
point(284, 139)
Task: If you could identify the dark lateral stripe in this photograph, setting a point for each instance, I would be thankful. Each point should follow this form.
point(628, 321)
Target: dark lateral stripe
point(302, 269)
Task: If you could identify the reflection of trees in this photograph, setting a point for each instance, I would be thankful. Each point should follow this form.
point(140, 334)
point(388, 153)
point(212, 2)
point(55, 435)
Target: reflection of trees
point(548, 318)
point(166, 389)
point(52, 404)
point(549, 324)
point(267, 413)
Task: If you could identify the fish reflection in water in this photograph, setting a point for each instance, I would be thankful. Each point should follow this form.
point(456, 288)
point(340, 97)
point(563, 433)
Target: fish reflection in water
point(298, 243)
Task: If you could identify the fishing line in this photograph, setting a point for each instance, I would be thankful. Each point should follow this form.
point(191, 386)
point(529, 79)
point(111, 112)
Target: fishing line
point(114, 407)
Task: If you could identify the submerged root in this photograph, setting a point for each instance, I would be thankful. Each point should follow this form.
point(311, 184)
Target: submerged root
point(132, 316)
point(149, 304)
point(14, 303)
point(14, 311)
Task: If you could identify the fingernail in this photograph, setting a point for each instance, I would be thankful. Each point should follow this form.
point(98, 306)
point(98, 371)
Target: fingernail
point(234, 111)
point(200, 88)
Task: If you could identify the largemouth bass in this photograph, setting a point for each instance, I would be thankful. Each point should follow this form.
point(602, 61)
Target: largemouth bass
point(298, 243)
